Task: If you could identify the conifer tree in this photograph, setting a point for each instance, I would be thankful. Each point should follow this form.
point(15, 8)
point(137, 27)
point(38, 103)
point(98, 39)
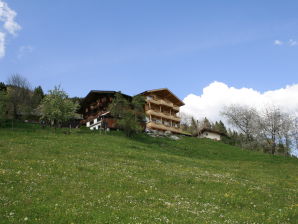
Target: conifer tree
point(193, 127)
point(206, 123)
point(37, 97)
point(3, 87)
point(220, 127)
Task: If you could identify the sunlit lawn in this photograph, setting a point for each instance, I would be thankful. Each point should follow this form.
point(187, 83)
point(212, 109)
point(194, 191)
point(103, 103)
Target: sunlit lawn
point(48, 177)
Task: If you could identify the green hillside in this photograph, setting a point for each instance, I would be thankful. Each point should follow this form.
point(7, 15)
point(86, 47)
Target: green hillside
point(85, 177)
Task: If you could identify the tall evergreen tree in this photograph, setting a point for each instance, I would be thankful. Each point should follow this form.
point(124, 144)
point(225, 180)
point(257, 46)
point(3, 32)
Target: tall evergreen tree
point(193, 127)
point(38, 91)
point(206, 123)
point(220, 127)
point(215, 126)
point(37, 97)
point(3, 87)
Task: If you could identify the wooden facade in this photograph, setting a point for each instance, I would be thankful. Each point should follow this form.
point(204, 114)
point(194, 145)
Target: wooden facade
point(161, 110)
point(94, 109)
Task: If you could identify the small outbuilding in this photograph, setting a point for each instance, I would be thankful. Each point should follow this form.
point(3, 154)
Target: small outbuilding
point(211, 134)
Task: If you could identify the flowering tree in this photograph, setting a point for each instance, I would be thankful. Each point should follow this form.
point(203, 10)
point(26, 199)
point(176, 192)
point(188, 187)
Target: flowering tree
point(57, 108)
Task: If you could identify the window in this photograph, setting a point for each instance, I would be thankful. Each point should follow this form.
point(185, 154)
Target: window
point(166, 123)
point(158, 122)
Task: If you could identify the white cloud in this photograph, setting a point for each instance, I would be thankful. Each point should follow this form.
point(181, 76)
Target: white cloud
point(2, 44)
point(23, 50)
point(217, 95)
point(293, 42)
point(278, 42)
point(7, 16)
point(290, 43)
point(9, 26)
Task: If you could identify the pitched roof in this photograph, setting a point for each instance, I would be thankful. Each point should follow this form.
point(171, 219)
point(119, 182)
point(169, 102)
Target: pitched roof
point(165, 92)
point(210, 130)
point(95, 92)
point(92, 95)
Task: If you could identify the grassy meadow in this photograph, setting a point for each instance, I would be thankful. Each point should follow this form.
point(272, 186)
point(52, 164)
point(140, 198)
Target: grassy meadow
point(87, 177)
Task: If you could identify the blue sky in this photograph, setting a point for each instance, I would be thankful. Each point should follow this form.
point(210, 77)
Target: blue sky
point(139, 45)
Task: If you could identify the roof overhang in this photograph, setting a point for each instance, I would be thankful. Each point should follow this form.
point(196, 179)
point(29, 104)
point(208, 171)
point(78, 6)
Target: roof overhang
point(212, 131)
point(93, 95)
point(164, 93)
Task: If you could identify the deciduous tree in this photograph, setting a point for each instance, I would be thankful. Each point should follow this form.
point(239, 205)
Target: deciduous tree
point(57, 108)
point(18, 95)
point(242, 118)
point(3, 101)
point(129, 114)
point(3, 106)
point(275, 127)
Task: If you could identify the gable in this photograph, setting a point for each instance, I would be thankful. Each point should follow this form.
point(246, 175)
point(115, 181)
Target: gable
point(164, 93)
point(93, 95)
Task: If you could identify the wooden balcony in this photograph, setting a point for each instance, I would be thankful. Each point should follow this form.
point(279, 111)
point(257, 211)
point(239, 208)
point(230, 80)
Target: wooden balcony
point(176, 108)
point(162, 102)
point(157, 102)
point(165, 103)
point(163, 115)
point(89, 118)
point(152, 125)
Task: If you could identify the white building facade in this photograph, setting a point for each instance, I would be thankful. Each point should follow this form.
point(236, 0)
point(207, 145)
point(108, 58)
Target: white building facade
point(205, 133)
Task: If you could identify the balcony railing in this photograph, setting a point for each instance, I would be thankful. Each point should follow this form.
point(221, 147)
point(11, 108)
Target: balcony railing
point(164, 128)
point(163, 102)
point(163, 115)
point(154, 101)
point(176, 108)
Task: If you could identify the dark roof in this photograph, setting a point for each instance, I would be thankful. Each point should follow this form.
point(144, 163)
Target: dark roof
point(165, 92)
point(210, 130)
point(101, 92)
point(93, 94)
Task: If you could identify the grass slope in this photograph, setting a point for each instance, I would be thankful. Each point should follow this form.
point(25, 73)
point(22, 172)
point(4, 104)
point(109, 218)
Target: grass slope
point(48, 177)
